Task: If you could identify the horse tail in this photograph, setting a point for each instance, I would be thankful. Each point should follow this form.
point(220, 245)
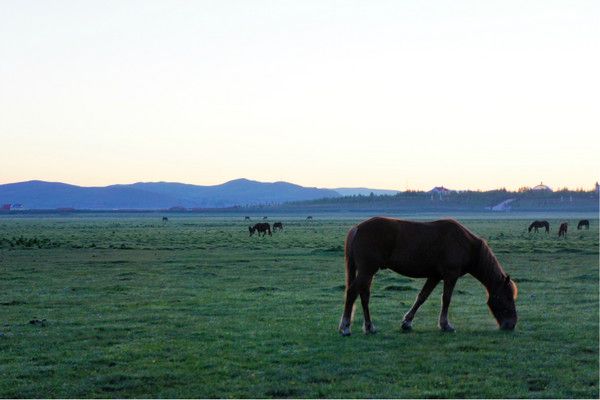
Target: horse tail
point(350, 264)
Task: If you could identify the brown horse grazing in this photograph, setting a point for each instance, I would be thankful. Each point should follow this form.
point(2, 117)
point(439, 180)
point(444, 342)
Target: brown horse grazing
point(277, 225)
point(309, 217)
point(539, 224)
point(562, 230)
point(441, 250)
point(582, 223)
point(165, 219)
point(261, 227)
point(246, 218)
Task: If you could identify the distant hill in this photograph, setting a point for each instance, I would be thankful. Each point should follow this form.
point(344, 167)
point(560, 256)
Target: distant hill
point(284, 196)
point(156, 195)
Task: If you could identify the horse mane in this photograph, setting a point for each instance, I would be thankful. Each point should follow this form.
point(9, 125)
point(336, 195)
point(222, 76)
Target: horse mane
point(488, 267)
point(490, 272)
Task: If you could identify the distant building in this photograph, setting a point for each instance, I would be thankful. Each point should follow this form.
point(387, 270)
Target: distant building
point(440, 190)
point(542, 187)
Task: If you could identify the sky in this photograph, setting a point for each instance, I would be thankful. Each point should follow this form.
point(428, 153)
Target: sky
point(381, 94)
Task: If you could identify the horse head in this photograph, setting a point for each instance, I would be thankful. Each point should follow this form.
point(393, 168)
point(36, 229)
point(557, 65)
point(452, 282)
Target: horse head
point(501, 302)
point(251, 229)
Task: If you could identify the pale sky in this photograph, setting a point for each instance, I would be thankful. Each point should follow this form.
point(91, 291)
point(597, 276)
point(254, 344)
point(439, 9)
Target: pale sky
point(383, 94)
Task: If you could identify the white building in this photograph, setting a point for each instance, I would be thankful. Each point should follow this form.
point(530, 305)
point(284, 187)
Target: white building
point(541, 186)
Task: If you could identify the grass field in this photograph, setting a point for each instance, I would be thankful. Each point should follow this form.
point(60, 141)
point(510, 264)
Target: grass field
point(194, 307)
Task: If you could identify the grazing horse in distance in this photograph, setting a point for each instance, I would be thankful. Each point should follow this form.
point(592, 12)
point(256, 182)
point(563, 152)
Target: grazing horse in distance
point(277, 225)
point(165, 219)
point(246, 218)
point(441, 250)
point(261, 227)
point(309, 217)
point(539, 224)
point(265, 217)
point(582, 223)
point(562, 230)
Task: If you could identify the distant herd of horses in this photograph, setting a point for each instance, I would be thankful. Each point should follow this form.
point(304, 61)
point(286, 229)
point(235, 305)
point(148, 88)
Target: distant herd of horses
point(265, 227)
point(562, 229)
point(247, 218)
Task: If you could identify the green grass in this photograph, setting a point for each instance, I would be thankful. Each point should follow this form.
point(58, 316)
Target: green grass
point(196, 308)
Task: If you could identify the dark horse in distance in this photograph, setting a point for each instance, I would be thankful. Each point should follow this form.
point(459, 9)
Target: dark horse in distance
point(441, 250)
point(562, 230)
point(277, 225)
point(582, 223)
point(539, 224)
point(261, 227)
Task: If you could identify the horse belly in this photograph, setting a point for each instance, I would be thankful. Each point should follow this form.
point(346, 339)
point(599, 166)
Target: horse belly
point(413, 270)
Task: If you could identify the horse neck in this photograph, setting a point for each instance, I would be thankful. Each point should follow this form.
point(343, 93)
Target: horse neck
point(488, 270)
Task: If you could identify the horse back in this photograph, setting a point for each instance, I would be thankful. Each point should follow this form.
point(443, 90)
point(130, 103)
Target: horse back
point(416, 249)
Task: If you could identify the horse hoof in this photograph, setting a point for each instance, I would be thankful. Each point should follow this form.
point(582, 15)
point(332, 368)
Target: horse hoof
point(369, 329)
point(345, 332)
point(447, 328)
point(407, 326)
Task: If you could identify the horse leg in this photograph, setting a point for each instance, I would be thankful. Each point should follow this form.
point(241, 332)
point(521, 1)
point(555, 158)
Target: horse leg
point(346, 322)
point(430, 284)
point(358, 284)
point(364, 289)
point(448, 288)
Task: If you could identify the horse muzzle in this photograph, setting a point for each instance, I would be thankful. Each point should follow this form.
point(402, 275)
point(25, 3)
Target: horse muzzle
point(508, 325)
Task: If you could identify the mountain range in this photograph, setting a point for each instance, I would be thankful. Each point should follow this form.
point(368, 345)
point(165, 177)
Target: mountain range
point(163, 195)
